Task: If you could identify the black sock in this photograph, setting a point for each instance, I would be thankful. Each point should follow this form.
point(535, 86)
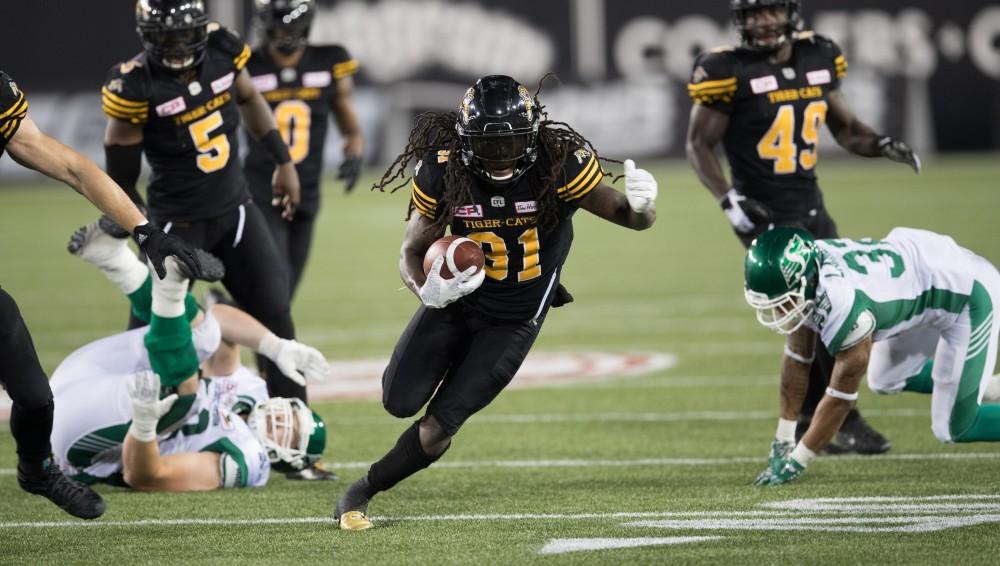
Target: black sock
point(406, 458)
point(31, 430)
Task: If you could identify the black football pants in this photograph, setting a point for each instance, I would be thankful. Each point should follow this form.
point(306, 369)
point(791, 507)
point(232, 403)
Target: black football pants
point(22, 376)
point(254, 278)
point(821, 226)
point(294, 241)
point(457, 359)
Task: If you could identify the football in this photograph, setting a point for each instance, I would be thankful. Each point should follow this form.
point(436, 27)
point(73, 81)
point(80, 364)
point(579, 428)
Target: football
point(460, 253)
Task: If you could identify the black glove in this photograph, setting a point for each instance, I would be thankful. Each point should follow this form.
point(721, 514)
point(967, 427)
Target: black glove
point(350, 170)
point(157, 245)
point(899, 152)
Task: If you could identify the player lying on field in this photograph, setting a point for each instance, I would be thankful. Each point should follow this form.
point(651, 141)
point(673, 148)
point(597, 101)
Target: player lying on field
point(915, 310)
point(217, 427)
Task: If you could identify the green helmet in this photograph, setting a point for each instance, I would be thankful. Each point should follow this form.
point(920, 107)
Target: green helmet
point(293, 435)
point(780, 275)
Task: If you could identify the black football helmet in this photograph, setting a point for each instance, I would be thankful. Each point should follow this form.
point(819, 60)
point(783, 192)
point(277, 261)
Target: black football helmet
point(174, 33)
point(286, 22)
point(498, 125)
point(740, 8)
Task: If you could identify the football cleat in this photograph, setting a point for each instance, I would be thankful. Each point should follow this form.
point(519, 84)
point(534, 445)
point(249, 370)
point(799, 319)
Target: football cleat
point(855, 436)
point(354, 521)
point(212, 268)
point(73, 497)
point(315, 472)
point(99, 242)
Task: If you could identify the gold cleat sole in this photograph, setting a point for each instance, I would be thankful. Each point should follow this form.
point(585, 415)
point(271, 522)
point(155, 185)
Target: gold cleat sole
point(354, 521)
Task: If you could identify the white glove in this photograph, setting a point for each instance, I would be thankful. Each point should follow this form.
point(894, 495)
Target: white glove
point(147, 407)
point(296, 360)
point(640, 188)
point(439, 292)
point(744, 214)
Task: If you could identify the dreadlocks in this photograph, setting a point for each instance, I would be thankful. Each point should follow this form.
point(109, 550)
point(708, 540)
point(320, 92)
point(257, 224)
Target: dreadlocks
point(435, 131)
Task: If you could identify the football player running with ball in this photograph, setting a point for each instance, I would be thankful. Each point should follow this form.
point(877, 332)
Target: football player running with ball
point(21, 374)
point(498, 172)
point(915, 310)
point(304, 84)
point(766, 101)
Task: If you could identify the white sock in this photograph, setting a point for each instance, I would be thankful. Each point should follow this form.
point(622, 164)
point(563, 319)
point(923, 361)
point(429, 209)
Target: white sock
point(992, 393)
point(169, 293)
point(803, 455)
point(786, 430)
point(114, 258)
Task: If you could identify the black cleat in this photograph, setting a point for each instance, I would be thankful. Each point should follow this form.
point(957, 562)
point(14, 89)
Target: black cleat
point(73, 497)
point(855, 436)
point(212, 268)
point(315, 472)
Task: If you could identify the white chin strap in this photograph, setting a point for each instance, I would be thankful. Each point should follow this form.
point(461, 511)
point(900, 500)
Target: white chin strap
point(179, 66)
point(501, 177)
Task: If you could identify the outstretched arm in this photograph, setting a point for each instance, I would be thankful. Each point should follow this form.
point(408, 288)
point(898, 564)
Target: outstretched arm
point(145, 469)
point(848, 370)
point(860, 139)
point(636, 209)
point(35, 150)
point(705, 130)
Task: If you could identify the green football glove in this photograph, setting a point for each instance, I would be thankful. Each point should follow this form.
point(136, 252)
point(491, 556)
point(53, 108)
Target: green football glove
point(785, 470)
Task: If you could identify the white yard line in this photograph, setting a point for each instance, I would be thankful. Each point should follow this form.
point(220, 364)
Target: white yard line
point(579, 463)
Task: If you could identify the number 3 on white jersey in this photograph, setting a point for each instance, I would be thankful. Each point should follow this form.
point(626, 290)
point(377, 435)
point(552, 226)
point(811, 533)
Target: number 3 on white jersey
point(778, 144)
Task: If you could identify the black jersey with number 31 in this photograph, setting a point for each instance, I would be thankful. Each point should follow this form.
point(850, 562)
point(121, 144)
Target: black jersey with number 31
point(775, 112)
point(523, 257)
point(189, 129)
point(302, 98)
point(13, 109)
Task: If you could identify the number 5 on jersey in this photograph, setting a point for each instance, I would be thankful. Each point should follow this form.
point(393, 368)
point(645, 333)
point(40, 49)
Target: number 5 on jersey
point(778, 144)
point(213, 152)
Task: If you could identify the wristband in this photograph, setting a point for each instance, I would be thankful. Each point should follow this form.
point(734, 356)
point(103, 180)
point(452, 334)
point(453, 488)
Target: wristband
point(841, 395)
point(799, 357)
point(276, 147)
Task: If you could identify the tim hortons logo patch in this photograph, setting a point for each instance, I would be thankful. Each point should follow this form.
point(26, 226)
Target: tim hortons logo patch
point(764, 84)
point(525, 206)
point(821, 77)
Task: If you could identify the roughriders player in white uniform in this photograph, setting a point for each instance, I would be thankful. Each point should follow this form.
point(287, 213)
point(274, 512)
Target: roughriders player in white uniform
point(916, 310)
point(208, 433)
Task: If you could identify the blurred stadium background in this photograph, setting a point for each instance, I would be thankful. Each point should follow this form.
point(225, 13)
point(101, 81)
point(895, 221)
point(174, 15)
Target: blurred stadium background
point(922, 70)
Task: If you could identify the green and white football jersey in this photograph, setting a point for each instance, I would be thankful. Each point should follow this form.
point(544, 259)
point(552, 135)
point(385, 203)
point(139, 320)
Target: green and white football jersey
point(911, 278)
point(93, 412)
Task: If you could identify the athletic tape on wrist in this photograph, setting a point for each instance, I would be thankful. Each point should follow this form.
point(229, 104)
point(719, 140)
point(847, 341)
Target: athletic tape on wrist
point(798, 357)
point(841, 395)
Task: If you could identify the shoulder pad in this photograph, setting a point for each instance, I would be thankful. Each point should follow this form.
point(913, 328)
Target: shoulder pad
point(124, 95)
point(714, 77)
point(827, 49)
point(228, 42)
point(582, 172)
point(343, 65)
point(427, 185)
point(10, 95)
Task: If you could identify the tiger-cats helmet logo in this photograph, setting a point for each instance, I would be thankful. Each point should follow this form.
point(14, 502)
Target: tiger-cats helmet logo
point(467, 103)
point(529, 104)
point(794, 260)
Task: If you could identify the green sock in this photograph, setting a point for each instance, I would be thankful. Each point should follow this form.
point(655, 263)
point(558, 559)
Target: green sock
point(986, 427)
point(171, 350)
point(922, 382)
point(142, 302)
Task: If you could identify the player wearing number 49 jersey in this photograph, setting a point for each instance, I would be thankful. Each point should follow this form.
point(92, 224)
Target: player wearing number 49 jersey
point(180, 102)
point(767, 101)
point(504, 175)
point(914, 310)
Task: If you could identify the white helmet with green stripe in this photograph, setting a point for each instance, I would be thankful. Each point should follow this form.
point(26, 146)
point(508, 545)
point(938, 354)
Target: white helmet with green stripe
point(293, 435)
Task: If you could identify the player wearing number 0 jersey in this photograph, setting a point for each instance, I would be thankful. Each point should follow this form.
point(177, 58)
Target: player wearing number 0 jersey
point(181, 102)
point(502, 174)
point(915, 310)
point(305, 85)
point(766, 101)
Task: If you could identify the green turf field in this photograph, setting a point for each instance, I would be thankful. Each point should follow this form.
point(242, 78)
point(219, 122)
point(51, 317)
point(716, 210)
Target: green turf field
point(643, 460)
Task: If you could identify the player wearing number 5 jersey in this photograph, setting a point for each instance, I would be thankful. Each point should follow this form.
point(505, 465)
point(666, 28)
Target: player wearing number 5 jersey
point(767, 101)
point(304, 84)
point(180, 102)
point(502, 174)
point(915, 310)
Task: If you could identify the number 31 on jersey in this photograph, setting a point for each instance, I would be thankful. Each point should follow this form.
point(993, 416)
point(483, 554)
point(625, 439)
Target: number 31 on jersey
point(778, 144)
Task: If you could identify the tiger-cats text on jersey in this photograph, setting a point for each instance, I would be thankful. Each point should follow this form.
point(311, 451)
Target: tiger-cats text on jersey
point(775, 113)
point(523, 257)
point(189, 129)
point(302, 100)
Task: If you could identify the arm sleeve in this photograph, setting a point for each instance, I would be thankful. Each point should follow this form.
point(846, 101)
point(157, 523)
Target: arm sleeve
point(427, 186)
point(123, 96)
point(581, 174)
point(13, 109)
point(713, 80)
point(343, 64)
